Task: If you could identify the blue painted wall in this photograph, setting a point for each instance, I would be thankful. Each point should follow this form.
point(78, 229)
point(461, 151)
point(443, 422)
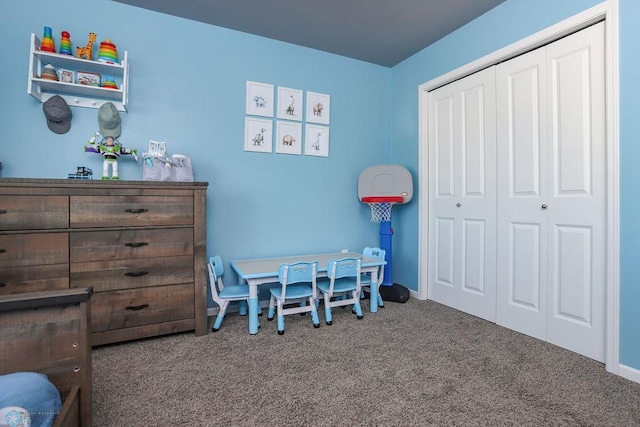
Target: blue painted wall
point(188, 88)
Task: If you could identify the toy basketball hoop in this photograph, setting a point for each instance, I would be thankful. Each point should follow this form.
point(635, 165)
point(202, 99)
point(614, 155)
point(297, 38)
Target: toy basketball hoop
point(381, 187)
point(381, 206)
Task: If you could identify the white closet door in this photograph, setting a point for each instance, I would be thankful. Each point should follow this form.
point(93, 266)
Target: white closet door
point(463, 194)
point(522, 190)
point(551, 194)
point(577, 193)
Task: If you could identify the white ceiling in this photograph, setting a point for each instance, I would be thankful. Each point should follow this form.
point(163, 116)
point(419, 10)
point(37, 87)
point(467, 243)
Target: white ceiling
point(383, 32)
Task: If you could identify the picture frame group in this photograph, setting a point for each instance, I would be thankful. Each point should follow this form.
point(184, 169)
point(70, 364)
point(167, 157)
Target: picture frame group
point(299, 125)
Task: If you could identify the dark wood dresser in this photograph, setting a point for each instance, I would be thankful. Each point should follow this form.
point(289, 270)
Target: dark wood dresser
point(141, 246)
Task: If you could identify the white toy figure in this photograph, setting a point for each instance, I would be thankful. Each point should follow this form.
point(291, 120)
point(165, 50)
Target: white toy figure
point(109, 147)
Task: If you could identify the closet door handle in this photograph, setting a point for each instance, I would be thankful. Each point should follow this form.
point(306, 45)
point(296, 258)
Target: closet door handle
point(136, 244)
point(544, 206)
point(129, 210)
point(3, 211)
point(136, 273)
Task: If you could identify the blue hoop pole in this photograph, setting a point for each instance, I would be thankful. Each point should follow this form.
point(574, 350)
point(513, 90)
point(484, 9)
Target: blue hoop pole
point(385, 243)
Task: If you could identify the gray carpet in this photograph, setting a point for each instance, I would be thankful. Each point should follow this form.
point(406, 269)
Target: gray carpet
point(412, 364)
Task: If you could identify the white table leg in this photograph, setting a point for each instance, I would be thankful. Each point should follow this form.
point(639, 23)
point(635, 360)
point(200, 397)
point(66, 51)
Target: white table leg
point(253, 308)
point(373, 292)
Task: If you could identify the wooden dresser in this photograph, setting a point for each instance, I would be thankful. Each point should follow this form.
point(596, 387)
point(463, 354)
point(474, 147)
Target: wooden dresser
point(140, 245)
point(48, 332)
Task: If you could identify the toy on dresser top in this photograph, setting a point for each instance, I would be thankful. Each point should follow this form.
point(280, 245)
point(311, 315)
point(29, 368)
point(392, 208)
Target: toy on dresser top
point(109, 147)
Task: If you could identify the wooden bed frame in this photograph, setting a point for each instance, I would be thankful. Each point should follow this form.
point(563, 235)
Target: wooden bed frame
point(48, 332)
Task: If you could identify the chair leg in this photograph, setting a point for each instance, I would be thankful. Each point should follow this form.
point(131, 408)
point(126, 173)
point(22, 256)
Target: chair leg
point(380, 301)
point(303, 303)
point(271, 312)
point(242, 308)
point(220, 316)
point(314, 313)
point(280, 317)
point(327, 310)
point(280, 324)
point(358, 309)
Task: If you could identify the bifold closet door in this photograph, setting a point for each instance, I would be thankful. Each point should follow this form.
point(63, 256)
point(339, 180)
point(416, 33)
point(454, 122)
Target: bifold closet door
point(462, 195)
point(552, 193)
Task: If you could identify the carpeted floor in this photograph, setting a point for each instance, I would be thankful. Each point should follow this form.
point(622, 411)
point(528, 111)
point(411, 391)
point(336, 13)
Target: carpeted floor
point(412, 364)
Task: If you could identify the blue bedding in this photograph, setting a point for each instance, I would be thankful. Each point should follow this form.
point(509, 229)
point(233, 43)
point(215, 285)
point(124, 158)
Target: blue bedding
point(28, 399)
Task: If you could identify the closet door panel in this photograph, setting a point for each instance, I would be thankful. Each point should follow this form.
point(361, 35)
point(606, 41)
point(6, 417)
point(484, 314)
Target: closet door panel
point(477, 210)
point(522, 170)
point(577, 192)
point(442, 189)
point(462, 204)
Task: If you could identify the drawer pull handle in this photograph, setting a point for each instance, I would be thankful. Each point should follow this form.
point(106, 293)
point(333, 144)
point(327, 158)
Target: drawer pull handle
point(136, 244)
point(2, 251)
point(3, 211)
point(136, 210)
point(2, 284)
point(136, 307)
point(136, 273)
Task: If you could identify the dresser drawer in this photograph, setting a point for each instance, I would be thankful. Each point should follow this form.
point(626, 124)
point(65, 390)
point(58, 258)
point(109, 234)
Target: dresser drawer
point(34, 249)
point(130, 211)
point(130, 244)
point(130, 308)
point(36, 278)
point(34, 212)
point(131, 273)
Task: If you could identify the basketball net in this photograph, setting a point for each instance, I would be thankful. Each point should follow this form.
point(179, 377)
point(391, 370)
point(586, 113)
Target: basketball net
point(381, 207)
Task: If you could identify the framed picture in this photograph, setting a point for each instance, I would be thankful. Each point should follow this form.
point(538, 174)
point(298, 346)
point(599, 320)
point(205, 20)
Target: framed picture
point(316, 141)
point(259, 99)
point(88, 79)
point(258, 135)
point(288, 138)
point(318, 108)
point(290, 104)
point(66, 76)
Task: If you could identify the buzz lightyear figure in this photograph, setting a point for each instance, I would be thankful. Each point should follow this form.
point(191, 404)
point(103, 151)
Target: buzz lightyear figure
point(109, 147)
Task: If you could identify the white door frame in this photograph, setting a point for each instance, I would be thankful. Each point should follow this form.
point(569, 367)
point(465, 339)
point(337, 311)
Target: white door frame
point(607, 10)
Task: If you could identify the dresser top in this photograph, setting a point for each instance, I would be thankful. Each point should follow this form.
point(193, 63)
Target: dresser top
point(98, 183)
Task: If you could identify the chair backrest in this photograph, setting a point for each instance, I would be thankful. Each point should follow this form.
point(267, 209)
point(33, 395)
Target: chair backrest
point(341, 268)
point(376, 253)
point(299, 272)
point(215, 276)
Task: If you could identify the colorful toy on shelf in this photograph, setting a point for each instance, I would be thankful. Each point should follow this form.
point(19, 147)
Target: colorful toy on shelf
point(109, 83)
point(49, 73)
point(86, 50)
point(47, 41)
point(65, 43)
point(108, 52)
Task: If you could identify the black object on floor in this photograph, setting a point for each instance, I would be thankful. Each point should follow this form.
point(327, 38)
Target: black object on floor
point(394, 293)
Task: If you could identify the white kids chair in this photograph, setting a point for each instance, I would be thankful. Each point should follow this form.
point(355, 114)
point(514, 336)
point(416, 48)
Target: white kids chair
point(223, 295)
point(344, 280)
point(298, 284)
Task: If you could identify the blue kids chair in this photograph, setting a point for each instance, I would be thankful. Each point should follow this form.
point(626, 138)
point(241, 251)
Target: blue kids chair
point(223, 295)
point(365, 280)
point(344, 281)
point(298, 285)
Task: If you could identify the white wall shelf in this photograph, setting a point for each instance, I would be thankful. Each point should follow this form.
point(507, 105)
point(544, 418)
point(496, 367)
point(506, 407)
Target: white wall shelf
point(77, 94)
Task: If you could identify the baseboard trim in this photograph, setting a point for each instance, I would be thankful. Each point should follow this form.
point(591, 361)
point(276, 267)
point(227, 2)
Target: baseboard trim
point(629, 373)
